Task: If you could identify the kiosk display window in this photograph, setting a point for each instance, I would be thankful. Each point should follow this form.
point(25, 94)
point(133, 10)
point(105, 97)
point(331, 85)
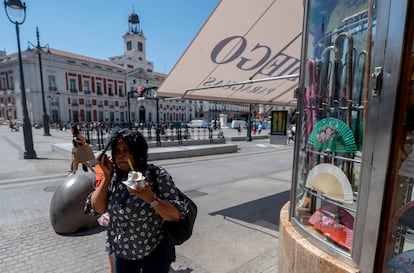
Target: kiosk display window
point(353, 174)
point(332, 125)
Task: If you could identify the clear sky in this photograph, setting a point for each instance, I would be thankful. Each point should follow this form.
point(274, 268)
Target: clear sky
point(94, 28)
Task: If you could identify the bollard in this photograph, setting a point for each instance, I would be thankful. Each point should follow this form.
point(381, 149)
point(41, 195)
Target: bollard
point(66, 207)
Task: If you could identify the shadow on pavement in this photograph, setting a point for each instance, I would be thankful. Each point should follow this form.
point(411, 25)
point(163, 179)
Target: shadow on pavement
point(187, 270)
point(84, 232)
point(264, 212)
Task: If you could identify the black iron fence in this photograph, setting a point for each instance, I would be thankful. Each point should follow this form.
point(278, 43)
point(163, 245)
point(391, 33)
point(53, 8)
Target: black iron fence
point(171, 136)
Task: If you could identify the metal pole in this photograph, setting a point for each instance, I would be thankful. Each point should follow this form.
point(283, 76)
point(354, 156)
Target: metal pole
point(29, 152)
point(46, 131)
point(129, 112)
point(157, 131)
point(249, 124)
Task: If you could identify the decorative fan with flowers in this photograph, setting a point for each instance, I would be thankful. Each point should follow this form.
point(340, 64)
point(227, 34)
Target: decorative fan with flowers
point(335, 223)
point(332, 135)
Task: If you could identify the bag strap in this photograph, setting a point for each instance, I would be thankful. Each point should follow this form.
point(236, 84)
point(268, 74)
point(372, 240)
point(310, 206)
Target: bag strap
point(169, 246)
point(154, 179)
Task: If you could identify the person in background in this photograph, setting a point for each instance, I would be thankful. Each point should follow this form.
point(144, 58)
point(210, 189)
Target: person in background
point(259, 128)
point(135, 235)
point(291, 131)
point(78, 140)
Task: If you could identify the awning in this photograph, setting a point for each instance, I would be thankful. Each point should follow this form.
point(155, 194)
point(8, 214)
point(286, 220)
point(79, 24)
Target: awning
point(247, 52)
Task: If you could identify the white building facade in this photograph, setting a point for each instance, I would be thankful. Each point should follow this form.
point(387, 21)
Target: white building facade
point(83, 90)
point(80, 89)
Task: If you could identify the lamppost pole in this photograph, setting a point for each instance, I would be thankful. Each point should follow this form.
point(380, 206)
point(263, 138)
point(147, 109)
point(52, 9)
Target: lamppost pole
point(157, 130)
point(45, 115)
point(154, 97)
point(29, 152)
point(129, 108)
point(141, 93)
point(46, 131)
point(249, 124)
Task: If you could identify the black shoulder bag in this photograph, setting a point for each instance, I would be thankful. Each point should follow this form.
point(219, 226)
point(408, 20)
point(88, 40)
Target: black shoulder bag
point(178, 232)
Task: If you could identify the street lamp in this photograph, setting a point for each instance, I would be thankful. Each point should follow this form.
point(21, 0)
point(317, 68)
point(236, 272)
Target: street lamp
point(141, 93)
point(15, 7)
point(57, 112)
point(129, 107)
point(53, 105)
point(249, 124)
point(46, 131)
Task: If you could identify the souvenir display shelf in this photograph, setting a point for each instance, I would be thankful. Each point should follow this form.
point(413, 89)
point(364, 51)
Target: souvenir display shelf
point(352, 195)
point(332, 122)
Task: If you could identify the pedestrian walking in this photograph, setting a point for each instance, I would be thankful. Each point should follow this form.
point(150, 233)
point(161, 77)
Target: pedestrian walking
point(291, 132)
point(78, 141)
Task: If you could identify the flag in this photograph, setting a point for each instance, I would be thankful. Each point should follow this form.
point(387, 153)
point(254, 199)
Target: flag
point(140, 90)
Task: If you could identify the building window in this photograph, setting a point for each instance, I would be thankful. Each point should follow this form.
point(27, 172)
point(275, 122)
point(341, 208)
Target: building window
point(99, 88)
point(72, 86)
point(86, 87)
point(52, 83)
point(3, 83)
point(110, 90)
point(111, 117)
point(129, 45)
point(75, 117)
point(121, 91)
point(88, 116)
point(140, 46)
point(11, 82)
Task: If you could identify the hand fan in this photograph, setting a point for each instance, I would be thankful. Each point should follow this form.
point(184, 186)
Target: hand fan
point(332, 135)
point(331, 182)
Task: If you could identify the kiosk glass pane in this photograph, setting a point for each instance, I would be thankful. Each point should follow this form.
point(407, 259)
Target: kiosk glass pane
point(332, 121)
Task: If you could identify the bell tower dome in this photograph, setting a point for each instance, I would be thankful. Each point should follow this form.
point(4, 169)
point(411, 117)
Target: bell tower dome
point(133, 23)
point(134, 56)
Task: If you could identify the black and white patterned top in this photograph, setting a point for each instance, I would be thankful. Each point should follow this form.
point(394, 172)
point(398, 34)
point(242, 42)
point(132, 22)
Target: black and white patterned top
point(134, 228)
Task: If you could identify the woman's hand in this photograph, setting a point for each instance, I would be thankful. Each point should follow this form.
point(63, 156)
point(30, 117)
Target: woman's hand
point(99, 197)
point(106, 164)
point(144, 193)
point(165, 209)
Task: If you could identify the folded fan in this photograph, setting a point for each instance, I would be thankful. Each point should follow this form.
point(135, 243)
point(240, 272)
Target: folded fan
point(331, 182)
point(332, 135)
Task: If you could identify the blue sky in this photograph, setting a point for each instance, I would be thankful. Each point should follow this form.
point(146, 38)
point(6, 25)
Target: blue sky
point(95, 28)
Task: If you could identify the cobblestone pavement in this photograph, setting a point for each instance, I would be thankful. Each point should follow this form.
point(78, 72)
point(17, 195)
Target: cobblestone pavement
point(30, 244)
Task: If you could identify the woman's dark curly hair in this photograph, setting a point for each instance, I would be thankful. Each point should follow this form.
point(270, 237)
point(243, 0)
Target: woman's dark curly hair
point(75, 129)
point(137, 146)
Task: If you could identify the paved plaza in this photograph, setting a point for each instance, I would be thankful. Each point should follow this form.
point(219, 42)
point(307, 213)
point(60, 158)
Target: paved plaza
point(29, 243)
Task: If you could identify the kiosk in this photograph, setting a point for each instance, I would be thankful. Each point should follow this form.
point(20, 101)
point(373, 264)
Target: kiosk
point(352, 197)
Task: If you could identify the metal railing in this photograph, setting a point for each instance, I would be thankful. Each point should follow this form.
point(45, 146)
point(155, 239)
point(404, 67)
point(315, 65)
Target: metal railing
point(171, 136)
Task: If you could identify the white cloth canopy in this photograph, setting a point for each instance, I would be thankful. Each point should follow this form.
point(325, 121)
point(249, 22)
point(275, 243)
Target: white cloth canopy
point(240, 53)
